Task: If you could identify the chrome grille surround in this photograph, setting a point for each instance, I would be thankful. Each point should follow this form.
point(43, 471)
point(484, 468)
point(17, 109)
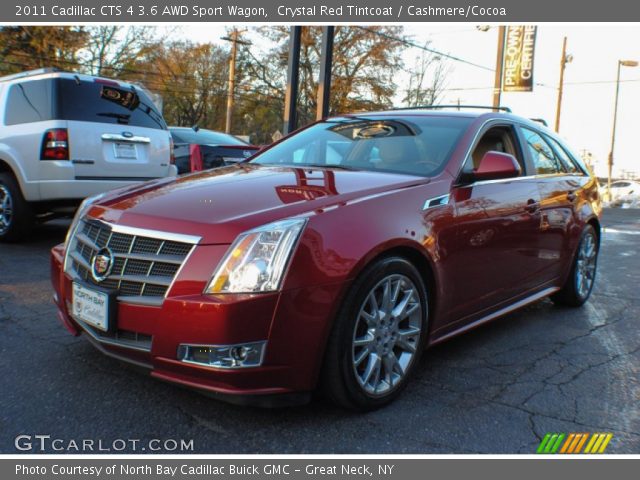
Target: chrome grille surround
point(146, 262)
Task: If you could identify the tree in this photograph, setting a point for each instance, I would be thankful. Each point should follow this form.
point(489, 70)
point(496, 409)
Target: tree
point(113, 49)
point(427, 79)
point(191, 80)
point(365, 60)
point(29, 47)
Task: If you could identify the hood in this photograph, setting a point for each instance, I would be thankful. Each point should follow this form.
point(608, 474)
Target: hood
point(219, 204)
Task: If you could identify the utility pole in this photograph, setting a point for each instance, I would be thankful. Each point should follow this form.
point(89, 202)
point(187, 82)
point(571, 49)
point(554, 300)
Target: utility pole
point(233, 38)
point(563, 63)
point(497, 88)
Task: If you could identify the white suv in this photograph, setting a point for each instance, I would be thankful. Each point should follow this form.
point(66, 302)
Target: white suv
point(66, 136)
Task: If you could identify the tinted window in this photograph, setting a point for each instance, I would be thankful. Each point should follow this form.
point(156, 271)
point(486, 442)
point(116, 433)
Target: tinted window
point(413, 145)
point(87, 102)
point(29, 102)
point(566, 160)
point(544, 159)
point(204, 137)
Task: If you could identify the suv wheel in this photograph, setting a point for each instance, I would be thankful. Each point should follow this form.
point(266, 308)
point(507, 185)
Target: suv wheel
point(16, 217)
point(378, 337)
point(578, 286)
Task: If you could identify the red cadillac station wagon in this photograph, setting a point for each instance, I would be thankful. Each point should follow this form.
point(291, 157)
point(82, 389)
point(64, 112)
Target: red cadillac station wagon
point(334, 257)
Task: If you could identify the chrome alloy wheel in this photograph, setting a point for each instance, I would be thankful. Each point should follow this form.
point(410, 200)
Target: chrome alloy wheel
point(586, 265)
point(387, 334)
point(6, 209)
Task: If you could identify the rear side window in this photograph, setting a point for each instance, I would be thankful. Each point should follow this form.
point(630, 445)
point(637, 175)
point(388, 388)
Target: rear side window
point(29, 102)
point(564, 157)
point(543, 156)
point(88, 102)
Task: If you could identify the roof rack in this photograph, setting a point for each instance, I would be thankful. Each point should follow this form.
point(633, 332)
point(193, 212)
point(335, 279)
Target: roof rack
point(540, 120)
point(458, 107)
point(30, 73)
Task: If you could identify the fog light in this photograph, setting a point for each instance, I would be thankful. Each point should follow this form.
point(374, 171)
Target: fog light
point(223, 356)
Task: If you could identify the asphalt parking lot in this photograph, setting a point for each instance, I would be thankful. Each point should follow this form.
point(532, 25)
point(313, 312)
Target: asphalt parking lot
point(498, 389)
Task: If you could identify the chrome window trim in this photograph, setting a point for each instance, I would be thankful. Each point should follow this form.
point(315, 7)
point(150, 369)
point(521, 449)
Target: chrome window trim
point(516, 179)
point(116, 137)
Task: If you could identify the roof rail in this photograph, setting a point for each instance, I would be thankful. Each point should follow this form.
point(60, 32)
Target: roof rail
point(540, 120)
point(458, 107)
point(30, 73)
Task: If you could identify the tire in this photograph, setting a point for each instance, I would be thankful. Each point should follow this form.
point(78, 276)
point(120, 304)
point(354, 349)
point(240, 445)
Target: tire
point(16, 216)
point(359, 370)
point(579, 284)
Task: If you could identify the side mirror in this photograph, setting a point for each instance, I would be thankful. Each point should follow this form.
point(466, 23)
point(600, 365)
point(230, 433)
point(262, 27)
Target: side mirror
point(497, 165)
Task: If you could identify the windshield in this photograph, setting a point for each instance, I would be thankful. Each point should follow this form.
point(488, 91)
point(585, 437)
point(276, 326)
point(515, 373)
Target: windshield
point(411, 145)
point(204, 137)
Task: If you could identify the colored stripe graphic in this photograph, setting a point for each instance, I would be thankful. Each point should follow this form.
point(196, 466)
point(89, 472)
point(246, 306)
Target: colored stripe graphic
point(574, 442)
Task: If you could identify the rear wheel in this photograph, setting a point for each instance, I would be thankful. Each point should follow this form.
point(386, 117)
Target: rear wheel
point(578, 287)
point(378, 337)
point(16, 216)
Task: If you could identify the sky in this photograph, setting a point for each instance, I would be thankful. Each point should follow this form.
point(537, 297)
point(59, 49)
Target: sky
point(588, 99)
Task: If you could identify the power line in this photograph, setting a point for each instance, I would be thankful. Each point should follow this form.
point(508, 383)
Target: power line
point(425, 48)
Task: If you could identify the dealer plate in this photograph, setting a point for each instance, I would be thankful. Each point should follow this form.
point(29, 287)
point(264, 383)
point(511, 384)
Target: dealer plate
point(91, 307)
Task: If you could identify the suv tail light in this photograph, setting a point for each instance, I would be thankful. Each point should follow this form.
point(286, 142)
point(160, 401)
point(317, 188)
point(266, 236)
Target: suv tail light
point(55, 145)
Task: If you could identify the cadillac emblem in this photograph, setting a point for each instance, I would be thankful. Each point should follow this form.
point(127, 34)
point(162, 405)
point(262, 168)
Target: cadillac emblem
point(101, 264)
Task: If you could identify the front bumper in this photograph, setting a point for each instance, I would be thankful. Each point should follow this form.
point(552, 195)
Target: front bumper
point(294, 324)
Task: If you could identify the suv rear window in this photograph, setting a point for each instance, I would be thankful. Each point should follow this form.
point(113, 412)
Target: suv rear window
point(67, 99)
point(84, 101)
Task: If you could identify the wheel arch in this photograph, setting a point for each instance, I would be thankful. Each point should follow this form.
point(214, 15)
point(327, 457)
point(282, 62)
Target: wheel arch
point(595, 223)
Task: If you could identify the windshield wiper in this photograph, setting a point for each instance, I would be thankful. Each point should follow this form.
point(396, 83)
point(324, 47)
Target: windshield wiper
point(122, 117)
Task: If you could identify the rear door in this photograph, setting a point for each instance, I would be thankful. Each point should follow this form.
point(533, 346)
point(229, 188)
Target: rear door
point(115, 132)
point(559, 189)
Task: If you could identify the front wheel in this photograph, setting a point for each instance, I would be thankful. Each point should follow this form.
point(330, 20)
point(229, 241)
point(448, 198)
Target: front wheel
point(378, 336)
point(578, 287)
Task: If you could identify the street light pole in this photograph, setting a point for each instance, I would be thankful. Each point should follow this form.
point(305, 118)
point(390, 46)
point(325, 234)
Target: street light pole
point(621, 63)
point(563, 63)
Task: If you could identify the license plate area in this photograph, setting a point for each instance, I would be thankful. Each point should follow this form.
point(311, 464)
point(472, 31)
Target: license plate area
point(126, 151)
point(94, 306)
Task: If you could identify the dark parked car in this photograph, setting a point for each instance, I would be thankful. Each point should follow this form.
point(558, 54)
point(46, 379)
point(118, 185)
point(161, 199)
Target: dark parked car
point(334, 257)
point(196, 149)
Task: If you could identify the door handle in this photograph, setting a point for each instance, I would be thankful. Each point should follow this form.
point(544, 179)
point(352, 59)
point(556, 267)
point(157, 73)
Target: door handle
point(532, 206)
point(571, 196)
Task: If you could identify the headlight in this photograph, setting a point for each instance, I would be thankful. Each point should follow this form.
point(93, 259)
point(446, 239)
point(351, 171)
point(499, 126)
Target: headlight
point(257, 260)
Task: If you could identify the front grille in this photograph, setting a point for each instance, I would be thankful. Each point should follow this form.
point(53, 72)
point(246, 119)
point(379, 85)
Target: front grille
point(143, 266)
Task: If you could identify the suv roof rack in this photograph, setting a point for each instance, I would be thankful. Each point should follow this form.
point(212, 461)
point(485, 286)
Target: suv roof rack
point(30, 73)
point(458, 107)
